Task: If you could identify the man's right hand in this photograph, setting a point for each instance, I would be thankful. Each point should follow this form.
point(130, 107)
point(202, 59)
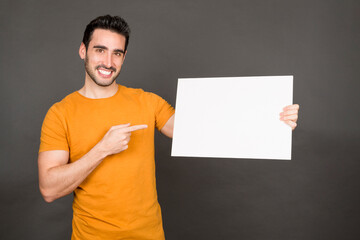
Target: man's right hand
point(117, 138)
point(58, 177)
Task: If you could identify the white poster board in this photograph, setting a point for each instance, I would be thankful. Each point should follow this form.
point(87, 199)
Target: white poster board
point(233, 117)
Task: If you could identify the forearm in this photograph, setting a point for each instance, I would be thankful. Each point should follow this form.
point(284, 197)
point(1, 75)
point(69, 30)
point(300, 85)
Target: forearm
point(62, 180)
point(168, 128)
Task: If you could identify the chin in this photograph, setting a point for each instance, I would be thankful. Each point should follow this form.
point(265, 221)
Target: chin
point(104, 83)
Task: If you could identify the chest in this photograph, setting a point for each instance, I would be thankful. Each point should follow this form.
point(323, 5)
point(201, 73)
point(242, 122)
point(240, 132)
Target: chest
point(89, 123)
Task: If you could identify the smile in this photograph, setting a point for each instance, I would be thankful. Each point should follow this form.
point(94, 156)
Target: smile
point(104, 73)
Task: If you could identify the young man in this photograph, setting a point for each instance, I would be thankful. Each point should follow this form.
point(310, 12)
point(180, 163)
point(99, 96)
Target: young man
point(98, 142)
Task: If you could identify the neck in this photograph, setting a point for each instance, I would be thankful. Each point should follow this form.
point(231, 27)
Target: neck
point(92, 90)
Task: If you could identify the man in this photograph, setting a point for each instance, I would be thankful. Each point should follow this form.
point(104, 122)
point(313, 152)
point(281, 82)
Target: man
point(86, 148)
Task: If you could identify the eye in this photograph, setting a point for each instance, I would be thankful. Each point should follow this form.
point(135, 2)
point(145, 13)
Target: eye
point(118, 54)
point(99, 50)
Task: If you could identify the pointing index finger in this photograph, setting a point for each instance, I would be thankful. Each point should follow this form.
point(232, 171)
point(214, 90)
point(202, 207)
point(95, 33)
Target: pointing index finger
point(136, 127)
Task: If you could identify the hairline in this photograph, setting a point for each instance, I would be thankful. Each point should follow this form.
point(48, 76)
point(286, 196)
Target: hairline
point(108, 29)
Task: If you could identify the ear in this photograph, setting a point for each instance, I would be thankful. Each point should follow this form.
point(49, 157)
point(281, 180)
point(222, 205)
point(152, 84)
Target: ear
point(82, 51)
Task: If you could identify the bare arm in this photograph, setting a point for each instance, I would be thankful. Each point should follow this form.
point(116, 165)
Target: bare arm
point(168, 128)
point(58, 178)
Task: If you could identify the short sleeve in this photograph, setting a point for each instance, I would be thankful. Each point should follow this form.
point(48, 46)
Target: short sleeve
point(163, 111)
point(53, 131)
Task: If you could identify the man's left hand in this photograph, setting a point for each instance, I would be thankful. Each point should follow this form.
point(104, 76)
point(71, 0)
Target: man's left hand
point(290, 115)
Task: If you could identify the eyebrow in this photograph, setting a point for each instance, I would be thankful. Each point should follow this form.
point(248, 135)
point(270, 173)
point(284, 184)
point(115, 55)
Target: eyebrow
point(105, 48)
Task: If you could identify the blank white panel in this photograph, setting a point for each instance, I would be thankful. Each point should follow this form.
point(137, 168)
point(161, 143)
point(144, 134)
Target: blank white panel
point(232, 117)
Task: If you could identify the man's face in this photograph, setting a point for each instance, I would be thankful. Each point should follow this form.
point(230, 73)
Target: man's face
point(104, 56)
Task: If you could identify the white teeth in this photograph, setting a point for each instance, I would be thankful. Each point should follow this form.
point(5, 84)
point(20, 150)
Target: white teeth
point(104, 72)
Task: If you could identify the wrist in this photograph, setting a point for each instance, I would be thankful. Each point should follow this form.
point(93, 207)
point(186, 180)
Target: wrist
point(100, 150)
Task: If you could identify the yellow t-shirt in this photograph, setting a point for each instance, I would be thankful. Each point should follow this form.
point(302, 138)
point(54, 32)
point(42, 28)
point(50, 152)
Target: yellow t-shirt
point(118, 200)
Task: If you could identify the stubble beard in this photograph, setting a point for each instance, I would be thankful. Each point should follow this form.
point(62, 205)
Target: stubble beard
point(93, 77)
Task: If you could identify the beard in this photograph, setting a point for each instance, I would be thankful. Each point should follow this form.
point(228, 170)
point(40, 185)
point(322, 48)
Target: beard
point(93, 76)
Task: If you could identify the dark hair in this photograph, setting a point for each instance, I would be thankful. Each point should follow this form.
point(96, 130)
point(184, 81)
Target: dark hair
point(115, 24)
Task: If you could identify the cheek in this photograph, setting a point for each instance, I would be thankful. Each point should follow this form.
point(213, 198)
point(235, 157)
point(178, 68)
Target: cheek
point(96, 59)
point(118, 63)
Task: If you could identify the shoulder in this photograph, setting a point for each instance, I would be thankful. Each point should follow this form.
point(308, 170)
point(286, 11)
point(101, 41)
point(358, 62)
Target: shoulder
point(131, 91)
point(137, 92)
point(139, 96)
point(61, 107)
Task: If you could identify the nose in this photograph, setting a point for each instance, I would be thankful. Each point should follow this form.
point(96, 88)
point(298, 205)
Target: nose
point(108, 60)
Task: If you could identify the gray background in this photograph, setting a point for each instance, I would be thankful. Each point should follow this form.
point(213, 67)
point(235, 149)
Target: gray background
point(314, 196)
